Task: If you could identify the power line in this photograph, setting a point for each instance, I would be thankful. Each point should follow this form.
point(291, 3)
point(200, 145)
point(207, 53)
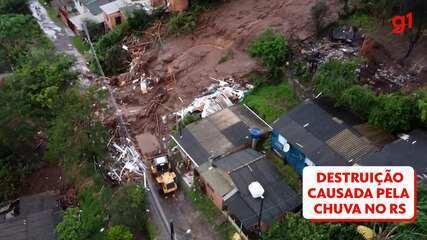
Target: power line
point(123, 132)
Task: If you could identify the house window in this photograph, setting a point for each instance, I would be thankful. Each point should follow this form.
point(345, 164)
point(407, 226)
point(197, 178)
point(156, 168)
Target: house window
point(118, 20)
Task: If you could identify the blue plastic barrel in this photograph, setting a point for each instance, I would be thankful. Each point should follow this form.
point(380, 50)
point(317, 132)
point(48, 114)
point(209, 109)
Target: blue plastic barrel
point(255, 133)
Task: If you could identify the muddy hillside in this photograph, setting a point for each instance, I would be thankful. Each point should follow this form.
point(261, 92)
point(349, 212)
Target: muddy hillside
point(167, 68)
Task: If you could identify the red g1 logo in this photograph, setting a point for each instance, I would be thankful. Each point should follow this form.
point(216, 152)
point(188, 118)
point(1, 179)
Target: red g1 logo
point(400, 22)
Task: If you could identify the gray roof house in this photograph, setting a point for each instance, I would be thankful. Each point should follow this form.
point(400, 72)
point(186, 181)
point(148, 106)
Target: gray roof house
point(324, 138)
point(228, 179)
point(38, 216)
point(410, 152)
point(219, 134)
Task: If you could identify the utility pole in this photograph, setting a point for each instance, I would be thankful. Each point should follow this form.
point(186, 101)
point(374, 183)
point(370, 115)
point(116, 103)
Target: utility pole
point(93, 49)
point(172, 230)
point(260, 216)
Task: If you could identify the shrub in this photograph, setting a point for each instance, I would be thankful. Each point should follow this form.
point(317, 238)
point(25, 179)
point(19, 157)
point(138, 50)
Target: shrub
point(335, 76)
point(95, 30)
point(115, 60)
point(421, 98)
point(294, 226)
point(128, 208)
point(119, 233)
point(138, 20)
point(182, 22)
point(111, 38)
point(14, 6)
point(272, 48)
point(394, 113)
point(70, 227)
point(360, 100)
point(361, 20)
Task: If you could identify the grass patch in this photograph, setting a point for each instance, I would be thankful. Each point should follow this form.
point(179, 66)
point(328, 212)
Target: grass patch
point(286, 170)
point(206, 207)
point(271, 101)
point(81, 46)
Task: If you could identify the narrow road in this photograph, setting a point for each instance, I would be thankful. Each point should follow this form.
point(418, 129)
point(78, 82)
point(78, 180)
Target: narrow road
point(61, 38)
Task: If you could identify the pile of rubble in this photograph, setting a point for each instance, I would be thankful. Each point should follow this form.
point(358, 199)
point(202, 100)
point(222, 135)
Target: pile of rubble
point(393, 76)
point(126, 164)
point(319, 52)
point(220, 95)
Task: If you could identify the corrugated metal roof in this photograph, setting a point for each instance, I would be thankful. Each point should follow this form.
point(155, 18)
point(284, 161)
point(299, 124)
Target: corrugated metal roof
point(279, 198)
point(38, 217)
point(219, 134)
point(325, 139)
point(403, 153)
point(238, 159)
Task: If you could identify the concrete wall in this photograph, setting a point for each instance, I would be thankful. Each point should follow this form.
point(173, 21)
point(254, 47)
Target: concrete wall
point(216, 199)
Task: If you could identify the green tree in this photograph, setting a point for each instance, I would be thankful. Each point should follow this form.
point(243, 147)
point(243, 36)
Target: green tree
point(96, 30)
point(183, 22)
point(421, 105)
point(18, 33)
point(295, 227)
point(14, 6)
point(115, 60)
point(335, 76)
point(128, 208)
point(76, 134)
point(71, 225)
point(38, 82)
point(138, 20)
point(272, 48)
point(360, 100)
point(119, 233)
point(394, 112)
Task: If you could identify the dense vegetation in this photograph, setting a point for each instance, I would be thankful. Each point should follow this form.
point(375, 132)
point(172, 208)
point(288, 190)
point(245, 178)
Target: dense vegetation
point(113, 58)
point(272, 49)
point(393, 112)
point(46, 116)
point(99, 207)
point(295, 227)
point(186, 21)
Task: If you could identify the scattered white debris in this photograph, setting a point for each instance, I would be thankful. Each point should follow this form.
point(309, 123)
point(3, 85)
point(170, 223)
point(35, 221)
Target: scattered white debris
point(404, 137)
point(127, 163)
point(217, 97)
